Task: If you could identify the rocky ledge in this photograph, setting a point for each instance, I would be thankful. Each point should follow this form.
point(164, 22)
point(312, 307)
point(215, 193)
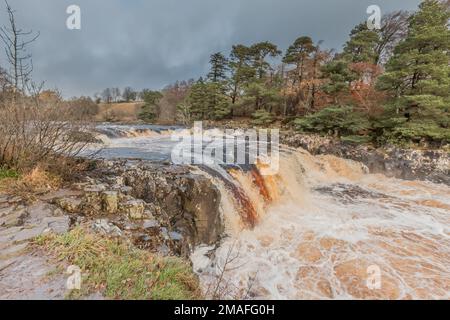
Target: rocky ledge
point(430, 165)
point(164, 209)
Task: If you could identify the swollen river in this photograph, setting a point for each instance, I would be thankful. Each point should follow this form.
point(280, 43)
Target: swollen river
point(321, 228)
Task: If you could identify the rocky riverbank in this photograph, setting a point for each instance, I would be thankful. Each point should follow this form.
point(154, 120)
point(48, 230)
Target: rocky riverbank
point(408, 164)
point(164, 209)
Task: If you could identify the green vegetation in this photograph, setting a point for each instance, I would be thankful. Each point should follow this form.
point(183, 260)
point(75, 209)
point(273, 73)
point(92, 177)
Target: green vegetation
point(338, 121)
point(390, 85)
point(262, 117)
point(149, 110)
point(8, 174)
point(120, 271)
point(386, 86)
point(417, 79)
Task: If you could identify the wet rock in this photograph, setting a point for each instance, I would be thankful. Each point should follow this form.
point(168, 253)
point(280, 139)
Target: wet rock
point(3, 199)
point(171, 235)
point(57, 225)
point(12, 250)
point(26, 277)
point(163, 250)
point(105, 227)
point(37, 219)
point(189, 202)
point(126, 190)
point(175, 236)
point(409, 164)
point(169, 194)
point(127, 225)
point(6, 210)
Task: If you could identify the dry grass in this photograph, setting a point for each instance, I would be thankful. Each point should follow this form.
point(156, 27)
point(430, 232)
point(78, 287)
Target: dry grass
point(28, 185)
point(119, 112)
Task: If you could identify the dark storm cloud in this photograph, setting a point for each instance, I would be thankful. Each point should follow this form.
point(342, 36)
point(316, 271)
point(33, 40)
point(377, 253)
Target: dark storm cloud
point(155, 42)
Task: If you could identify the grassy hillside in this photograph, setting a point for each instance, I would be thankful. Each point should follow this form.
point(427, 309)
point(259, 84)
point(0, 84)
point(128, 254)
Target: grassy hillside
point(118, 112)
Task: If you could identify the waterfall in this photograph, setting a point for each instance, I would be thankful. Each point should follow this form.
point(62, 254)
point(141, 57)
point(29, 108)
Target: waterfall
point(324, 228)
point(321, 227)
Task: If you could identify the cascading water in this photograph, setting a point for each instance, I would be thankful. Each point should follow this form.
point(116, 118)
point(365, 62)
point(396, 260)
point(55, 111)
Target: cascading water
point(321, 228)
point(326, 224)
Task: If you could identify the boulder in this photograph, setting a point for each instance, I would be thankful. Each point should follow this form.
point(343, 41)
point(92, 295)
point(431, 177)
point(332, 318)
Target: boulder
point(188, 202)
point(110, 201)
point(134, 209)
point(92, 202)
point(70, 205)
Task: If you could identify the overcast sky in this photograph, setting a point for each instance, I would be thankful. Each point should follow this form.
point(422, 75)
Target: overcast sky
point(151, 43)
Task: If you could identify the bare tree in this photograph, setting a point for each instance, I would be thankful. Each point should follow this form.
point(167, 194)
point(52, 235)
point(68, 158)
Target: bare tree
point(394, 29)
point(115, 94)
point(129, 94)
point(36, 126)
point(16, 41)
point(107, 95)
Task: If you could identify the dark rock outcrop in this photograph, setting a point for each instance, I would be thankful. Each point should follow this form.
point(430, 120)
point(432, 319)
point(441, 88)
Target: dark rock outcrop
point(430, 165)
point(184, 202)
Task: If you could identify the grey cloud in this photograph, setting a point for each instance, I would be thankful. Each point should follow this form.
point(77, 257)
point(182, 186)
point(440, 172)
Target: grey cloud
point(152, 43)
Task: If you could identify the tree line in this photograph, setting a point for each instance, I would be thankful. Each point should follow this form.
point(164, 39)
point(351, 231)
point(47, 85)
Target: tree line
point(114, 95)
point(386, 85)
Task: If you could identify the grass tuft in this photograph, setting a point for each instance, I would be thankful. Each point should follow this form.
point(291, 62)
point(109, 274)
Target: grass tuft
point(119, 270)
point(8, 174)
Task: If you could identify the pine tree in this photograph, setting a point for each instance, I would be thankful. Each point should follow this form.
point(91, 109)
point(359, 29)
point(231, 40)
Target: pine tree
point(336, 120)
point(149, 110)
point(219, 106)
point(262, 117)
point(362, 46)
point(418, 78)
point(259, 52)
point(197, 100)
point(339, 77)
point(241, 70)
point(219, 67)
point(260, 96)
point(297, 54)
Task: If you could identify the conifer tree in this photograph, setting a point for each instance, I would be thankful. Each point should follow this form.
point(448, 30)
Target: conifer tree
point(219, 67)
point(418, 78)
point(197, 100)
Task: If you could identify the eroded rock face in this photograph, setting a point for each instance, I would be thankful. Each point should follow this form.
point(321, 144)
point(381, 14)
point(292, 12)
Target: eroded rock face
point(431, 165)
point(190, 202)
point(172, 196)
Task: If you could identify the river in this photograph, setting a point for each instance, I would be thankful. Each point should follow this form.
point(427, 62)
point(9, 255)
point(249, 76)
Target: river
point(321, 228)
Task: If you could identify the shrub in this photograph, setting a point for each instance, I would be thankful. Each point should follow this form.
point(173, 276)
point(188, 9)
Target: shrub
point(336, 120)
point(83, 107)
point(34, 131)
point(262, 117)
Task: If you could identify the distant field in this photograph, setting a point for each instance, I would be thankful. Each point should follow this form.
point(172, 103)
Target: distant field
point(119, 112)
